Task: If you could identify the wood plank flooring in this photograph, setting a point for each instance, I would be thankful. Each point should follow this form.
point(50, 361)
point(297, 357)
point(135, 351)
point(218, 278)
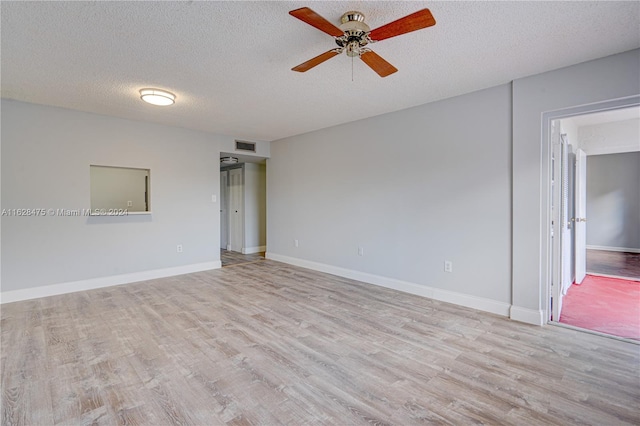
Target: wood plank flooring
point(618, 264)
point(272, 344)
point(232, 258)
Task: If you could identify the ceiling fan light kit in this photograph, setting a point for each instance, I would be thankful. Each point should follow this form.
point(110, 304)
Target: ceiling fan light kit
point(353, 35)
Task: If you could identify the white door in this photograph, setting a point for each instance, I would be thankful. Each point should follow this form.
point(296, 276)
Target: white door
point(236, 206)
point(561, 225)
point(224, 210)
point(567, 231)
point(581, 216)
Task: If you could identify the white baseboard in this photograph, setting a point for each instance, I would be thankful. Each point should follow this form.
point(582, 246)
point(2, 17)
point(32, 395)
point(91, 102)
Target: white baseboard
point(620, 249)
point(93, 283)
point(251, 250)
point(526, 315)
point(469, 301)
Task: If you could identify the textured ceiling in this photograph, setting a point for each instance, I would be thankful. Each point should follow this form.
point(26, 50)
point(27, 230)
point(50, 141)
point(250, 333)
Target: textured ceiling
point(596, 118)
point(229, 62)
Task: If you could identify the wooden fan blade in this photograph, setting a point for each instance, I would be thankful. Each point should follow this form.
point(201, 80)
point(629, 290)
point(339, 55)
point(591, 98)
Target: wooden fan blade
point(376, 63)
point(306, 66)
point(416, 21)
point(312, 18)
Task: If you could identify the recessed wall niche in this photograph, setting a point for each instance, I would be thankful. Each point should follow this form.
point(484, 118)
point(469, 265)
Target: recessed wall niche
point(118, 189)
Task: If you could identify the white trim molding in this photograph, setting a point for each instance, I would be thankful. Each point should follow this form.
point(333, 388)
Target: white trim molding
point(251, 250)
point(526, 315)
point(94, 283)
point(466, 300)
point(620, 249)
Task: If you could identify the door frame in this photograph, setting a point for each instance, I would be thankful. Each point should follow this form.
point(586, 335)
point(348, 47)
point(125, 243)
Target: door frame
point(547, 256)
point(561, 240)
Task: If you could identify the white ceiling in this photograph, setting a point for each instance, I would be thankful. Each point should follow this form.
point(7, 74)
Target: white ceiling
point(611, 116)
point(243, 158)
point(229, 62)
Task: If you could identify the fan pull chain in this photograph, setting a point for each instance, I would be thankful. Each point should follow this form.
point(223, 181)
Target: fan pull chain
point(352, 68)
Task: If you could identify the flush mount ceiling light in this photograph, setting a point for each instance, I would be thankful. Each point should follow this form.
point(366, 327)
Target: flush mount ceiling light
point(157, 97)
point(229, 160)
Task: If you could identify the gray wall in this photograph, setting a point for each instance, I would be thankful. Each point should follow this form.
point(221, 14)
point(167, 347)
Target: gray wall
point(46, 153)
point(412, 188)
point(600, 80)
point(613, 200)
point(464, 179)
point(255, 206)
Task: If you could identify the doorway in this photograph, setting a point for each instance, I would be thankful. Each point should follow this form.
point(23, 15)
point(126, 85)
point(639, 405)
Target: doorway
point(575, 137)
point(242, 209)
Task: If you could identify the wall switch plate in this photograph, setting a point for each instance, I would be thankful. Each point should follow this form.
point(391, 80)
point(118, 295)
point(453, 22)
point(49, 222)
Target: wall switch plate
point(296, 243)
point(214, 198)
point(360, 251)
point(179, 248)
point(448, 266)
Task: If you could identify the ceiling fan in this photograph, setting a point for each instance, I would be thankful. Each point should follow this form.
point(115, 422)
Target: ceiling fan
point(353, 35)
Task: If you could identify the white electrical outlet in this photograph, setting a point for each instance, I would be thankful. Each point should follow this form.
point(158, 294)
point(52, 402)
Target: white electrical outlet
point(179, 248)
point(360, 251)
point(214, 198)
point(129, 203)
point(448, 266)
point(296, 243)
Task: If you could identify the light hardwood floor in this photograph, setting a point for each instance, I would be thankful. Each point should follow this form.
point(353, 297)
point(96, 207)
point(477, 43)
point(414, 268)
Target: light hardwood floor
point(272, 344)
point(614, 263)
point(233, 258)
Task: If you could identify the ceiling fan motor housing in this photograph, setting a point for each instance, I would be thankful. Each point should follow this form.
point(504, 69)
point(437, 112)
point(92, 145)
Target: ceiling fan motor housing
point(355, 33)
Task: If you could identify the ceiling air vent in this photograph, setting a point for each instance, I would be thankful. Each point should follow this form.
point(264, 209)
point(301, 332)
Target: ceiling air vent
point(245, 146)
